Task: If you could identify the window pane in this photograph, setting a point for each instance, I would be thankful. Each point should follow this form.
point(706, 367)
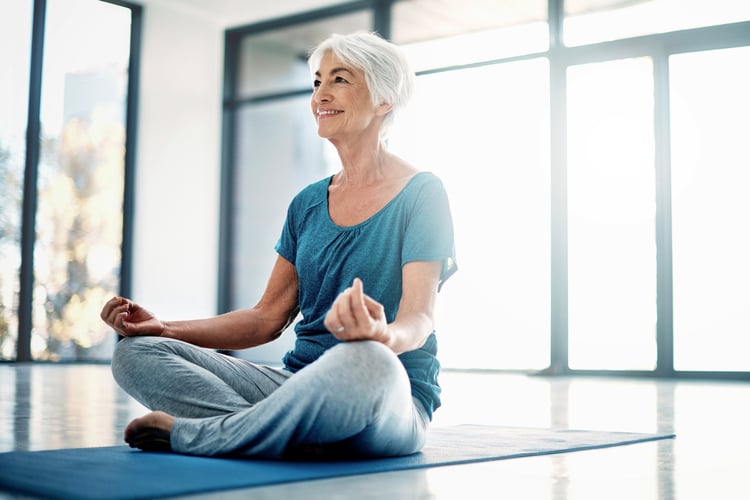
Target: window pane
point(453, 32)
point(81, 172)
point(711, 231)
point(492, 153)
point(591, 22)
point(15, 47)
point(611, 211)
point(276, 61)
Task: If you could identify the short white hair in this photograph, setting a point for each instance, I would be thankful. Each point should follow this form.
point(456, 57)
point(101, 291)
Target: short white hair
point(388, 74)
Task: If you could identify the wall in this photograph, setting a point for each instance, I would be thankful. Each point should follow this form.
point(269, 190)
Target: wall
point(178, 163)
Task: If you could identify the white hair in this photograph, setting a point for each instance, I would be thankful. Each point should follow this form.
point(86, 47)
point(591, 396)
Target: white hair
point(388, 74)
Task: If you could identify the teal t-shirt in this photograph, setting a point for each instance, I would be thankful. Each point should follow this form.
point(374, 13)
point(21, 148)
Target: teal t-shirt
point(416, 225)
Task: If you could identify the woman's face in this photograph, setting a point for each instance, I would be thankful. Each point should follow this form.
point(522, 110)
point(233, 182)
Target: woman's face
point(341, 101)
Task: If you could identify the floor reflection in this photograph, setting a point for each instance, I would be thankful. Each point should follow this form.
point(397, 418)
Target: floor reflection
point(65, 406)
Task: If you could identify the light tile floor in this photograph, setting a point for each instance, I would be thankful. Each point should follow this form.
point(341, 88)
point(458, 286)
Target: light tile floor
point(56, 406)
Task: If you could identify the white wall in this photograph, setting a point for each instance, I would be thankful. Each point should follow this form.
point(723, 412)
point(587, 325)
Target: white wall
point(178, 163)
point(178, 149)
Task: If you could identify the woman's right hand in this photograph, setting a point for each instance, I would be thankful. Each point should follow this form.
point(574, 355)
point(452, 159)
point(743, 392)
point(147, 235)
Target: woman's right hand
point(129, 319)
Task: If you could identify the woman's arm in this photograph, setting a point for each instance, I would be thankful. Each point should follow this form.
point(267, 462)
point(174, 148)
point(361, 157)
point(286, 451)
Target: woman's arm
point(356, 316)
point(234, 330)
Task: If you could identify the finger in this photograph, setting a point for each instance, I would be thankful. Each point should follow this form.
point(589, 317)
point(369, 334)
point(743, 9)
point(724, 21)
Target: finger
point(358, 307)
point(121, 321)
point(344, 310)
point(333, 321)
point(121, 304)
point(114, 316)
point(358, 290)
point(330, 320)
point(109, 306)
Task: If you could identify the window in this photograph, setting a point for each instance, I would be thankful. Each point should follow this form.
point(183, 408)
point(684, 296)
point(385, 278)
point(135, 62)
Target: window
point(455, 32)
point(15, 50)
point(711, 178)
point(273, 62)
point(76, 206)
point(591, 22)
point(81, 174)
point(597, 188)
point(611, 213)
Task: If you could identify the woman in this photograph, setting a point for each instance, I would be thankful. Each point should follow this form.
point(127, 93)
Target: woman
point(361, 256)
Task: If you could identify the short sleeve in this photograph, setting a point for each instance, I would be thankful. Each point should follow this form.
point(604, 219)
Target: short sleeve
point(429, 231)
point(286, 246)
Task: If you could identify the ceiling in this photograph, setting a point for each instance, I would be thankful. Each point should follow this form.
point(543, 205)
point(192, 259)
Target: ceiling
point(450, 13)
point(414, 20)
point(231, 13)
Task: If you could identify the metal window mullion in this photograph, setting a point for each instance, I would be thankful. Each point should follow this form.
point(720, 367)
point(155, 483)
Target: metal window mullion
point(555, 17)
point(131, 126)
point(558, 192)
point(382, 20)
point(558, 219)
point(30, 176)
point(663, 179)
point(226, 288)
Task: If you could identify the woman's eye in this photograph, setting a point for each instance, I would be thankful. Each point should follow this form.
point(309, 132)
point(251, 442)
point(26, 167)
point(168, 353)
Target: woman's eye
point(316, 83)
point(340, 79)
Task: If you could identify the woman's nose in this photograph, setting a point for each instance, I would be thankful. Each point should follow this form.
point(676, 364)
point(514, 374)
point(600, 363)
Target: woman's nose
point(322, 94)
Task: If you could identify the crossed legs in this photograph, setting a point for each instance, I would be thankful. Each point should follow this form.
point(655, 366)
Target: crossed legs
point(355, 400)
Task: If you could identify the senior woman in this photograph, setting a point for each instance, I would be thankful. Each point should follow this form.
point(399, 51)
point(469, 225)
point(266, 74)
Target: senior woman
point(361, 256)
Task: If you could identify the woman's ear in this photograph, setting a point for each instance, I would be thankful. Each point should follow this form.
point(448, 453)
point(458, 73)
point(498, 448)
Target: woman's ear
point(383, 109)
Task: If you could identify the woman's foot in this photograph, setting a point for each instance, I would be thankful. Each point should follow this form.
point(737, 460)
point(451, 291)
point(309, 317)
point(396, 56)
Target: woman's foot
point(150, 432)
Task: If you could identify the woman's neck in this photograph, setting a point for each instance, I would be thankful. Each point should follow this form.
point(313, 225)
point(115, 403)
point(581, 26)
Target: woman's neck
point(364, 165)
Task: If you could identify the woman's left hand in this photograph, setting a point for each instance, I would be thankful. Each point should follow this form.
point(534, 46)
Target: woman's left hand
point(356, 316)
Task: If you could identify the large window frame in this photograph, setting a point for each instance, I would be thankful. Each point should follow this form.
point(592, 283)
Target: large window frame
point(658, 47)
point(31, 168)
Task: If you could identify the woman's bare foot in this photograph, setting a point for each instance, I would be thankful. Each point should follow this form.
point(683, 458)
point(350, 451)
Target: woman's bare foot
point(150, 432)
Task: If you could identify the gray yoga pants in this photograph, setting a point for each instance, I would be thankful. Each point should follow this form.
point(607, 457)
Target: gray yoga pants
point(354, 401)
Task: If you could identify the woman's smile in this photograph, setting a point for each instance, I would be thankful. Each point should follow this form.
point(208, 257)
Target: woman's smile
point(327, 113)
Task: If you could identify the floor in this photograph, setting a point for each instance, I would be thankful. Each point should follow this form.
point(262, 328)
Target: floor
point(56, 406)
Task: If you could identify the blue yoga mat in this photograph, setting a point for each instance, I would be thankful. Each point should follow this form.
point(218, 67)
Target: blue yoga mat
point(119, 472)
